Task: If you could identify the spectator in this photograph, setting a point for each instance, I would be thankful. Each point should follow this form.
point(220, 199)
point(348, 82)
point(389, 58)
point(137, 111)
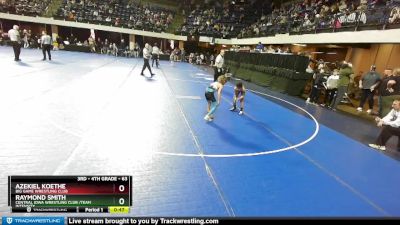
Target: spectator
point(368, 85)
point(392, 91)
point(183, 55)
point(343, 83)
point(318, 80)
point(390, 127)
point(260, 47)
point(394, 15)
point(331, 87)
point(136, 50)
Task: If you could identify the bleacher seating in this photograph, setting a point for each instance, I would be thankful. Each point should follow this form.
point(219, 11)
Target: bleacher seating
point(24, 7)
point(119, 13)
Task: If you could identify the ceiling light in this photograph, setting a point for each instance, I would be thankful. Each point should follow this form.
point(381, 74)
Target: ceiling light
point(303, 45)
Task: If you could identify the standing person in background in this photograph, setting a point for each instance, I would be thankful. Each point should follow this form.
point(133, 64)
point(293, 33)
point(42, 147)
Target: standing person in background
point(46, 45)
point(318, 85)
point(211, 59)
point(136, 50)
point(171, 57)
point(183, 55)
point(155, 55)
point(1, 37)
point(15, 39)
point(176, 54)
point(331, 87)
point(354, 90)
point(219, 63)
point(368, 84)
point(92, 44)
point(26, 39)
point(146, 58)
point(343, 83)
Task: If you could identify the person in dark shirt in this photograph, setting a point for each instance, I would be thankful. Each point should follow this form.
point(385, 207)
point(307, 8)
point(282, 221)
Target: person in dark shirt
point(343, 83)
point(391, 92)
point(383, 88)
point(260, 47)
point(239, 93)
point(368, 85)
point(317, 86)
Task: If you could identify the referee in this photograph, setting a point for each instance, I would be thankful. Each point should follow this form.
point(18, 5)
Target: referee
point(46, 45)
point(146, 57)
point(15, 39)
point(219, 63)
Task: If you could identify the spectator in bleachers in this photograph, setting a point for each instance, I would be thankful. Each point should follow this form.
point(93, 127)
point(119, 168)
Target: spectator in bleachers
point(260, 47)
point(24, 7)
point(394, 15)
point(309, 16)
point(117, 13)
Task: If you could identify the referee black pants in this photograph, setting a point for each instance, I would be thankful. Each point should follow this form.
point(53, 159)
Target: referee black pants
point(217, 73)
point(146, 64)
point(46, 48)
point(17, 50)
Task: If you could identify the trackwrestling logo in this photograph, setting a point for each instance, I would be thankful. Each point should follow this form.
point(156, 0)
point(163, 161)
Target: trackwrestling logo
point(32, 220)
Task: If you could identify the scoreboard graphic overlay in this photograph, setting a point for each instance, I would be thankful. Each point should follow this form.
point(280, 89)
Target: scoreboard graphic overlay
point(82, 194)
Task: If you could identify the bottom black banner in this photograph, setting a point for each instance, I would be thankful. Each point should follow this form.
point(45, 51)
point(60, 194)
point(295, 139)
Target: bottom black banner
point(139, 221)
